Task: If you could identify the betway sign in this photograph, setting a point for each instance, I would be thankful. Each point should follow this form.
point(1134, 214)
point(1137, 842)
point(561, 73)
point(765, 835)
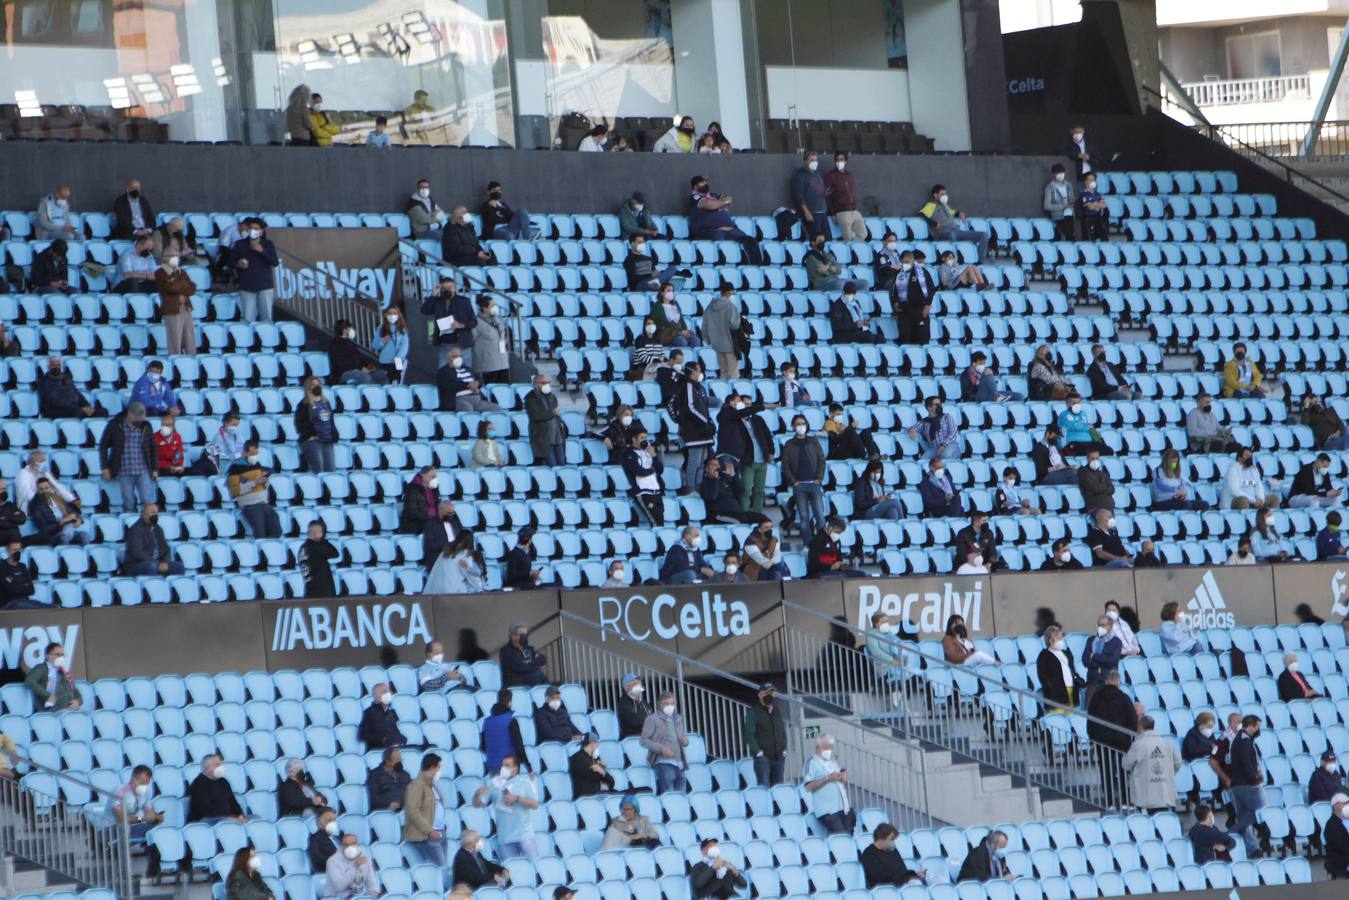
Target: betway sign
point(922, 604)
point(27, 645)
point(338, 264)
point(328, 281)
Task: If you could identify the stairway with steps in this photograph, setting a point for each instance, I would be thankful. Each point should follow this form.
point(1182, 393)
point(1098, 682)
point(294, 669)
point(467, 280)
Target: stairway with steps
point(1319, 174)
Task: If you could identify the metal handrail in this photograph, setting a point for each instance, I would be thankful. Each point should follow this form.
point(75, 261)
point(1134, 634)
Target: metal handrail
point(478, 285)
point(62, 836)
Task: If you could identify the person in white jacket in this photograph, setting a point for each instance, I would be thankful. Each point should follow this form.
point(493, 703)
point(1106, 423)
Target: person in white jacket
point(1151, 766)
point(679, 139)
point(25, 482)
point(1244, 484)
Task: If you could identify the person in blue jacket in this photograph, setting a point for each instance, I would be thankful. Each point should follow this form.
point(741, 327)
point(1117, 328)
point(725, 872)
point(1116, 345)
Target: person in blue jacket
point(684, 563)
point(1079, 438)
point(154, 391)
point(391, 343)
point(1101, 655)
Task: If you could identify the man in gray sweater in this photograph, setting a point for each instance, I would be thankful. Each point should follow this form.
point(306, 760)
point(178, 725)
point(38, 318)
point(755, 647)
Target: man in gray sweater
point(720, 320)
point(664, 739)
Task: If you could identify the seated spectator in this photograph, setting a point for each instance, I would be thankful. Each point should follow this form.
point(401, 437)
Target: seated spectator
point(886, 265)
point(1045, 379)
point(136, 268)
point(500, 222)
point(679, 139)
point(210, 799)
point(171, 241)
point(1107, 550)
point(1329, 544)
point(882, 866)
point(979, 383)
point(936, 433)
point(56, 523)
point(1311, 485)
point(552, 720)
point(521, 573)
point(248, 480)
point(169, 452)
point(1171, 487)
point(379, 723)
point(1209, 844)
point(1244, 484)
point(387, 782)
point(1057, 673)
point(595, 139)
point(1335, 837)
point(847, 439)
point(133, 804)
point(1009, 500)
point(1198, 741)
point(882, 646)
point(459, 243)
point(453, 316)
point(628, 829)
point(1079, 437)
point(50, 271)
point(1060, 558)
point(347, 361)
point(1120, 628)
point(721, 492)
point(950, 224)
point(1242, 556)
point(459, 388)
point(9, 348)
point(631, 708)
point(911, 296)
point(1147, 556)
point(664, 739)
point(1326, 425)
point(712, 876)
point(1107, 381)
point(1201, 427)
point(940, 496)
point(425, 213)
point(351, 873)
point(1178, 635)
point(1292, 684)
point(1050, 466)
point(869, 498)
point(589, 774)
point(985, 861)
point(473, 869)
point(846, 321)
point(641, 269)
point(648, 353)
point(1092, 211)
point(434, 675)
point(1267, 543)
point(1098, 490)
point(684, 563)
point(1326, 781)
point(147, 549)
point(323, 840)
point(824, 553)
point(1241, 376)
point(521, 664)
point(420, 501)
point(952, 274)
point(1059, 199)
point(25, 483)
point(710, 220)
point(296, 794)
point(977, 535)
point(513, 796)
point(957, 646)
point(54, 218)
point(645, 468)
point(616, 576)
point(826, 785)
point(635, 219)
point(488, 453)
point(459, 569)
point(244, 880)
point(671, 328)
point(793, 392)
point(16, 580)
point(50, 683)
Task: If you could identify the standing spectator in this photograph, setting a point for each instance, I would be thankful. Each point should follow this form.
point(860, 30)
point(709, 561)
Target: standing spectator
point(1209, 844)
point(458, 570)
point(826, 787)
point(1151, 766)
point(347, 360)
point(886, 266)
point(882, 866)
point(1335, 837)
point(940, 496)
point(870, 500)
point(316, 429)
point(1120, 628)
point(425, 213)
point(296, 794)
point(127, 453)
point(323, 842)
point(1098, 490)
point(1107, 381)
point(521, 664)
point(1248, 777)
point(1101, 655)
point(808, 198)
point(50, 270)
point(986, 861)
point(822, 266)
point(255, 262)
point(387, 784)
point(453, 317)
point(169, 447)
point(1311, 485)
point(936, 434)
point(379, 723)
point(514, 796)
point(1107, 549)
point(392, 344)
point(803, 472)
point(1079, 437)
point(1076, 150)
point(55, 522)
point(1057, 674)
point(1244, 485)
point(50, 683)
point(547, 433)
point(323, 128)
point(764, 553)
point(133, 218)
point(57, 396)
point(635, 219)
point(248, 485)
point(720, 492)
point(712, 876)
point(521, 573)
point(631, 708)
point(315, 558)
point(1326, 781)
point(1171, 488)
point(499, 221)
point(1326, 425)
point(55, 221)
point(697, 431)
point(950, 224)
point(720, 320)
point(664, 739)
point(175, 306)
point(766, 737)
point(501, 736)
point(244, 880)
point(679, 139)
point(1292, 684)
point(1108, 704)
point(628, 829)
point(847, 323)
point(618, 436)
point(841, 192)
point(882, 645)
point(459, 244)
point(473, 869)
point(153, 391)
point(351, 873)
point(589, 774)
point(1267, 543)
point(1009, 500)
point(743, 436)
point(1241, 377)
point(1201, 426)
point(136, 268)
point(1178, 635)
point(1059, 199)
point(684, 563)
point(1093, 212)
point(487, 450)
point(644, 467)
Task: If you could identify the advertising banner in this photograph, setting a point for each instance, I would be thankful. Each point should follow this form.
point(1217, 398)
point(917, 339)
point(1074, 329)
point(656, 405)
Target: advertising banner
point(1324, 587)
point(324, 265)
point(923, 604)
point(1074, 599)
point(1209, 596)
point(25, 634)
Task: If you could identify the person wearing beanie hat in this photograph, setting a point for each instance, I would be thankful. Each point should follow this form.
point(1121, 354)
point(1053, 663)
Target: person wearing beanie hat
point(126, 452)
point(634, 219)
point(1326, 781)
point(633, 707)
point(521, 573)
point(720, 321)
point(849, 324)
point(628, 829)
point(589, 774)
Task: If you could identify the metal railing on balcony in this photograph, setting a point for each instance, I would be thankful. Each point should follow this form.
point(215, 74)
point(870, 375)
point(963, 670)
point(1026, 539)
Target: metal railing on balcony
point(1282, 140)
point(1231, 92)
point(48, 818)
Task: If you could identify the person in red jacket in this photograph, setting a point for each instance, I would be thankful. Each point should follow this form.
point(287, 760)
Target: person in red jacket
point(169, 447)
point(840, 193)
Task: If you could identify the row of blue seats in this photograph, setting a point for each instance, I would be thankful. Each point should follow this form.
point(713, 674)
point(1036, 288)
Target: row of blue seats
point(230, 370)
point(1183, 329)
point(102, 309)
point(1211, 229)
point(212, 337)
point(1275, 355)
point(1079, 279)
point(1047, 256)
point(1141, 304)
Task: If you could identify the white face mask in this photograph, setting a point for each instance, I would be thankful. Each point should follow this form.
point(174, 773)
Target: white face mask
point(1075, 408)
point(1206, 732)
point(433, 482)
point(800, 430)
point(944, 199)
point(1058, 176)
point(391, 319)
point(1094, 465)
point(1078, 136)
point(438, 658)
point(554, 705)
point(1102, 631)
point(625, 421)
point(166, 430)
point(507, 772)
point(713, 852)
point(1112, 615)
point(59, 662)
point(424, 193)
point(173, 262)
point(840, 165)
point(493, 310)
point(905, 267)
point(838, 418)
point(253, 460)
point(737, 405)
point(218, 771)
point(827, 754)
point(616, 573)
point(638, 207)
point(668, 709)
point(1110, 522)
point(732, 568)
point(937, 473)
point(142, 790)
point(650, 330)
point(890, 628)
point(1292, 667)
point(891, 245)
point(349, 334)
point(254, 863)
point(593, 752)
point(1090, 185)
point(696, 542)
point(331, 828)
point(384, 699)
point(1058, 645)
point(254, 234)
point(1010, 482)
point(812, 165)
point(1065, 556)
point(352, 851)
point(977, 561)
point(1329, 767)
point(546, 388)
point(457, 362)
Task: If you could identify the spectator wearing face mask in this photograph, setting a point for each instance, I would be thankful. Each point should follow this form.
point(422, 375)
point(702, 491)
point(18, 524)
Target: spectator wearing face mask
point(379, 723)
point(244, 880)
point(936, 433)
point(521, 573)
point(822, 267)
point(458, 388)
point(627, 830)
point(1101, 654)
point(882, 646)
point(710, 220)
point(471, 868)
point(315, 428)
point(721, 320)
point(1243, 485)
point(1107, 381)
point(635, 219)
point(391, 343)
point(387, 783)
point(55, 522)
point(1122, 629)
point(255, 261)
point(50, 270)
point(1171, 488)
point(616, 577)
point(351, 872)
point(713, 876)
point(846, 320)
point(959, 649)
point(136, 268)
point(763, 553)
point(824, 553)
point(847, 439)
point(1198, 741)
point(552, 720)
point(886, 264)
point(50, 683)
point(684, 563)
point(547, 432)
point(645, 469)
point(1292, 684)
point(1045, 379)
point(1059, 199)
point(425, 214)
point(1079, 437)
point(911, 297)
point(1057, 673)
point(792, 391)
point(500, 222)
point(1312, 486)
point(1242, 555)
point(127, 453)
point(454, 319)
point(1107, 550)
point(840, 191)
point(1242, 378)
point(648, 353)
point(1178, 635)
point(826, 785)
point(169, 447)
point(16, 579)
point(766, 737)
point(589, 774)
point(1267, 543)
point(618, 435)
point(1201, 427)
point(870, 499)
point(459, 243)
point(950, 224)
point(1093, 213)
point(641, 269)
point(248, 480)
point(744, 438)
point(697, 430)
point(803, 472)
point(347, 361)
point(55, 221)
point(1326, 781)
point(487, 450)
point(952, 274)
point(731, 570)
point(175, 305)
point(459, 569)
point(664, 738)
point(1335, 837)
point(679, 139)
point(296, 794)
point(882, 866)
point(720, 492)
point(435, 675)
point(1010, 499)
point(1060, 558)
point(1327, 427)
point(323, 841)
point(1098, 490)
point(632, 708)
point(57, 396)
point(210, 799)
point(976, 542)
point(1208, 842)
point(808, 198)
point(940, 496)
point(153, 391)
point(315, 558)
point(224, 448)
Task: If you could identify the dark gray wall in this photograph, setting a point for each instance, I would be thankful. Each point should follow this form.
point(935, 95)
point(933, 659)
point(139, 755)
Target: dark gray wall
point(230, 178)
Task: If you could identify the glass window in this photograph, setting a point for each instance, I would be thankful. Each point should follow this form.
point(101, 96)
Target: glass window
point(1254, 56)
point(35, 18)
point(86, 17)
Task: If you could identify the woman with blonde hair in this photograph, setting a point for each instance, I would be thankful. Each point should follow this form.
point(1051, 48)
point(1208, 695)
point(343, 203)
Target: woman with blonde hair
point(298, 121)
point(1057, 674)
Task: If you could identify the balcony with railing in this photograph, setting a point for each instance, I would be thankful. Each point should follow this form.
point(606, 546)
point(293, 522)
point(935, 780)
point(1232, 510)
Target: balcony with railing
point(1237, 91)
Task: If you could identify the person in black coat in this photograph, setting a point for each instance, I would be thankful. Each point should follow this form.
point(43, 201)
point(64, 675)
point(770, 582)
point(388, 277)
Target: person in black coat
point(316, 558)
point(1107, 381)
point(322, 842)
point(459, 245)
point(210, 797)
point(552, 720)
point(721, 495)
point(470, 867)
point(1110, 704)
point(387, 783)
point(379, 723)
point(632, 708)
point(348, 361)
point(1056, 562)
point(1209, 843)
point(713, 876)
point(420, 501)
point(521, 664)
point(446, 301)
point(437, 533)
point(124, 226)
point(846, 321)
point(1056, 684)
point(589, 775)
point(984, 861)
point(882, 866)
point(50, 272)
point(1198, 741)
point(1291, 685)
point(911, 300)
point(1326, 781)
point(521, 573)
point(1335, 838)
point(296, 794)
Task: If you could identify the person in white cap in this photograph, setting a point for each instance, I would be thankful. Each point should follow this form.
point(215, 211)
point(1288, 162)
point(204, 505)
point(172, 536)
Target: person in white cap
point(1335, 836)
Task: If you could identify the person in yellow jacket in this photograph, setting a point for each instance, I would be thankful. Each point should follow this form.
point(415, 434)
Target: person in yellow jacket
point(1241, 376)
point(324, 128)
